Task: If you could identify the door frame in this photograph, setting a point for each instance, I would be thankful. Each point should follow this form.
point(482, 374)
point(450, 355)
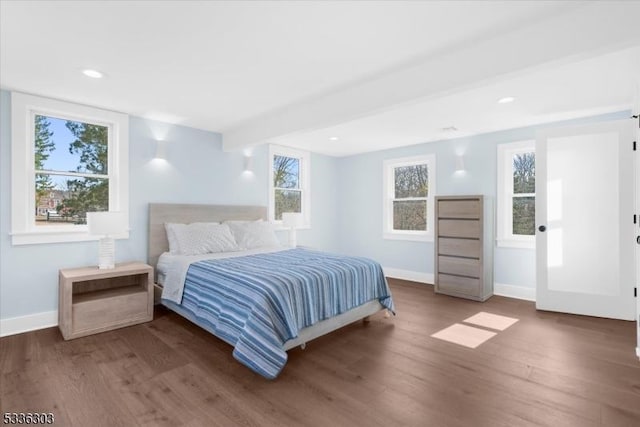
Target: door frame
point(636, 118)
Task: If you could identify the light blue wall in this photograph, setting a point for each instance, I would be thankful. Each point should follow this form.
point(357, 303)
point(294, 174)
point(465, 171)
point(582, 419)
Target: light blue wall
point(196, 171)
point(360, 200)
point(346, 203)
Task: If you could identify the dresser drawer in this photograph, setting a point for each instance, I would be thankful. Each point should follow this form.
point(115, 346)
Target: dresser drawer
point(459, 266)
point(459, 247)
point(464, 208)
point(458, 285)
point(459, 228)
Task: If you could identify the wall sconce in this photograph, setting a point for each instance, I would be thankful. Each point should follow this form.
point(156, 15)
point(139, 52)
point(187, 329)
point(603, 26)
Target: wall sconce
point(161, 152)
point(460, 163)
point(248, 163)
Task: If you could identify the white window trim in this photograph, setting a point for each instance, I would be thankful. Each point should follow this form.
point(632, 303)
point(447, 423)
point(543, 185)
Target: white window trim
point(305, 183)
point(23, 109)
point(505, 237)
point(388, 185)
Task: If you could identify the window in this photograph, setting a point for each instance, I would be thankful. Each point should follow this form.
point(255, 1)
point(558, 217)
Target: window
point(409, 187)
point(67, 160)
point(289, 183)
point(516, 194)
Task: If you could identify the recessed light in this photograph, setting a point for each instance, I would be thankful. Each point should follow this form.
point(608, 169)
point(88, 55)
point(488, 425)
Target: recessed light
point(506, 100)
point(93, 74)
point(333, 138)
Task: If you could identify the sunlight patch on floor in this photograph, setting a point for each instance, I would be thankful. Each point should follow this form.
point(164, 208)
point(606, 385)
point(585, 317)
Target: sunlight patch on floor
point(491, 321)
point(472, 337)
point(464, 335)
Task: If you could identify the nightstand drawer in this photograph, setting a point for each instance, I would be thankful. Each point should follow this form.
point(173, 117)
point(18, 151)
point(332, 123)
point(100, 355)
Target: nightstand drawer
point(96, 315)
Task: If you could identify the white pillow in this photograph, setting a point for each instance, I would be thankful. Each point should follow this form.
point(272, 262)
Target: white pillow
point(203, 238)
point(253, 234)
point(169, 227)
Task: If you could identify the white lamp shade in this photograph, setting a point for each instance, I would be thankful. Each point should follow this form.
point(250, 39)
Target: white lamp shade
point(106, 223)
point(291, 219)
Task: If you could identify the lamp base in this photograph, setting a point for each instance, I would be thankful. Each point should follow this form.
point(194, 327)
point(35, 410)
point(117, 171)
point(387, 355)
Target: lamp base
point(106, 253)
point(292, 238)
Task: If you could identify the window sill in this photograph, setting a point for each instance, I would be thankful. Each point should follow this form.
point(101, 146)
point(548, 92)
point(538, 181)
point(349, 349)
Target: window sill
point(408, 236)
point(55, 236)
point(520, 244)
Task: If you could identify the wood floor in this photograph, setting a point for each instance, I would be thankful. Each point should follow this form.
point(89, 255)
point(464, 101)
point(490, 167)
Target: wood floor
point(546, 370)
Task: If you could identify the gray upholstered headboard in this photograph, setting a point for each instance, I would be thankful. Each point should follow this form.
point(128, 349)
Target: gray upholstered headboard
point(160, 213)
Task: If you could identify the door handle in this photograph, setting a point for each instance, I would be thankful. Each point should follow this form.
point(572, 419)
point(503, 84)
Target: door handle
point(638, 240)
point(542, 228)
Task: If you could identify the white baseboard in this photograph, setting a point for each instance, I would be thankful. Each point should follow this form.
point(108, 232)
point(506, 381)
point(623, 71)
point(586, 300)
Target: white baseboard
point(412, 276)
point(512, 291)
point(32, 322)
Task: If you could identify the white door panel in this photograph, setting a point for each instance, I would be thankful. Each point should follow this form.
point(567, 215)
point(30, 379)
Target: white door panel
point(584, 201)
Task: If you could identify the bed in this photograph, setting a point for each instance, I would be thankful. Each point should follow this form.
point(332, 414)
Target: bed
point(263, 301)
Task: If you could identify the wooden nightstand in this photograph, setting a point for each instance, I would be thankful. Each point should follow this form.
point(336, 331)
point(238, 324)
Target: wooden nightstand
point(93, 300)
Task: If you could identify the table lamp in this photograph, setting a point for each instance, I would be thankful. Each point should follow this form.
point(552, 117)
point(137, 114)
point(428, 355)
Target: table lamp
point(106, 225)
point(292, 220)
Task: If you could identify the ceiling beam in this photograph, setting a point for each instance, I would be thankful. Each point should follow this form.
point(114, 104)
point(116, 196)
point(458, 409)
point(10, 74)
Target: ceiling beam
point(581, 33)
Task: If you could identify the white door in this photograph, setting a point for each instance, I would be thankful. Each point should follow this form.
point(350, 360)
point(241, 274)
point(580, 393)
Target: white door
point(585, 236)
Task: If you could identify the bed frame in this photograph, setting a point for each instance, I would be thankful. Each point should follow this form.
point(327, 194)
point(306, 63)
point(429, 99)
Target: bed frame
point(160, 213)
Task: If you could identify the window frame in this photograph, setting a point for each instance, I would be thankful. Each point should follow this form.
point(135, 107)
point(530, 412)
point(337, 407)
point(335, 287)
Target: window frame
point(505, 236)
point(24, 108)
point(388, 196)
point(304, 158)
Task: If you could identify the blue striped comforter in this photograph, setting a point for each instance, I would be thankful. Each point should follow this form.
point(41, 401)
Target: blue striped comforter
point(258, 302)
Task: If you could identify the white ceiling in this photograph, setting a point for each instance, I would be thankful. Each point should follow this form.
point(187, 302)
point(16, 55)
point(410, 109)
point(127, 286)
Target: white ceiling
point(295, 72)
point(599, 85)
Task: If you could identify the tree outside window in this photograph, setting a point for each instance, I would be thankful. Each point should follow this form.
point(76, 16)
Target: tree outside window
point(286, 184)
point(409, 187)
point(71, 170)
point(289, 183)
point(524, 188)
point(410, 202)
